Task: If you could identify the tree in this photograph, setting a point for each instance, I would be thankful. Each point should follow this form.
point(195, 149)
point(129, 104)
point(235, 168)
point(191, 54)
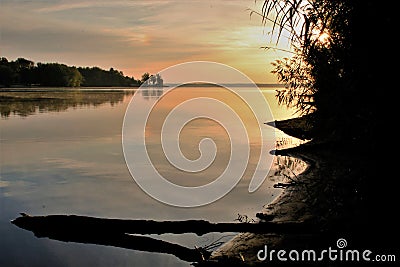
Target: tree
point(16, 72)
point(333, 71)
point(145, 77)
point(24, 72)
point(6, 75)
point(75, 78)
point(3, 61)
point(98, 77)
point(54, 74)
point(24, 63)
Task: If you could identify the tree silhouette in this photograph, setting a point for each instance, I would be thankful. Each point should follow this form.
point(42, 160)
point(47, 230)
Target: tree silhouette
point(24, 72)
point(334, 70)
point(6, 75)
point(54, 74)
point(145, 77)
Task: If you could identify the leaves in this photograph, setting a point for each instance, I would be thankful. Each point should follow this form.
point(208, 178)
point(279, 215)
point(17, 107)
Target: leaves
point(299, 90)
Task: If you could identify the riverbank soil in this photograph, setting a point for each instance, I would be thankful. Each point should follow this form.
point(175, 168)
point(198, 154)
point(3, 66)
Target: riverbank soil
point(345, 195)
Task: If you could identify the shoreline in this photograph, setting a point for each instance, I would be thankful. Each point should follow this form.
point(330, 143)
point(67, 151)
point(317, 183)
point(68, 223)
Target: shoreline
point(329, 197)
point(242, 249)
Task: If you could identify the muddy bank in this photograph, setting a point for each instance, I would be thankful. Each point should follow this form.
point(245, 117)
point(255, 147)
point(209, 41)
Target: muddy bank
point(338, 197)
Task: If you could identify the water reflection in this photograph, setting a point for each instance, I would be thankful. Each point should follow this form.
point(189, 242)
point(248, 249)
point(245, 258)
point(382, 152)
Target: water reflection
point(151, 92)
point(114, 232)
point(286, 169)
point(283, 142)
point(28, 102)
point(71, 162)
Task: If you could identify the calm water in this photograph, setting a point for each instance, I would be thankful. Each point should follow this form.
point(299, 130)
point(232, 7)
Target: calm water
point(61, 153)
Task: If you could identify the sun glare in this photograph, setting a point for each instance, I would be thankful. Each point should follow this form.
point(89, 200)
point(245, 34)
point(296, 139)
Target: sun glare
point(322, 38)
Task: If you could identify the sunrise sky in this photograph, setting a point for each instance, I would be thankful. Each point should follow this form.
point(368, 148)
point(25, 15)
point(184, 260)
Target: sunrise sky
point(138, 36)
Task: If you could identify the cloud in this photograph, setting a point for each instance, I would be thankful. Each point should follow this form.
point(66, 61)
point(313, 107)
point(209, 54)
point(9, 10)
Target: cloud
point(144, 34)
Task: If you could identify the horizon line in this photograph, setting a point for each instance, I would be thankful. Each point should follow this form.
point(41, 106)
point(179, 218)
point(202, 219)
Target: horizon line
point(205, 84)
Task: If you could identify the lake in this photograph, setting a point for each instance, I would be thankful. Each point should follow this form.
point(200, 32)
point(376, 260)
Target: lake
point(61, 153)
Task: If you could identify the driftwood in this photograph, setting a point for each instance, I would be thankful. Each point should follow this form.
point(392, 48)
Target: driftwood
point(42, 225)
point(120, 233)
point(87, 230)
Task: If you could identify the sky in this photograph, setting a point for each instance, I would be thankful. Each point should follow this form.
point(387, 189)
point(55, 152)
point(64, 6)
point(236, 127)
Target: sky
point(139, 36)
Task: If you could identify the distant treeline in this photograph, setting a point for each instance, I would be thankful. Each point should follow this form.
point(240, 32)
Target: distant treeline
point(23, 72)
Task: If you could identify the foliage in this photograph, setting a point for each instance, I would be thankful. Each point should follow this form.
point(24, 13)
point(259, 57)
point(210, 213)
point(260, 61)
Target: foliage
point(97, 77)
point(145, 77)
point(15, 72)
point(6, 75)
point(23, 72)
point(332, 69)
point(299, 85)
point(317, 31)
point(54, 74)
point(152, 80)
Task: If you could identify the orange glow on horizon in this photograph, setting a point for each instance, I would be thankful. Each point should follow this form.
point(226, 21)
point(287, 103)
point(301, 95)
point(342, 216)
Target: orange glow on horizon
point(139, 36)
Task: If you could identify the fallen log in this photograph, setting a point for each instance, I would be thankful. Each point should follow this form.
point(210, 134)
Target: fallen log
point(71, 224)
point(120, 233)
point(42, 226)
